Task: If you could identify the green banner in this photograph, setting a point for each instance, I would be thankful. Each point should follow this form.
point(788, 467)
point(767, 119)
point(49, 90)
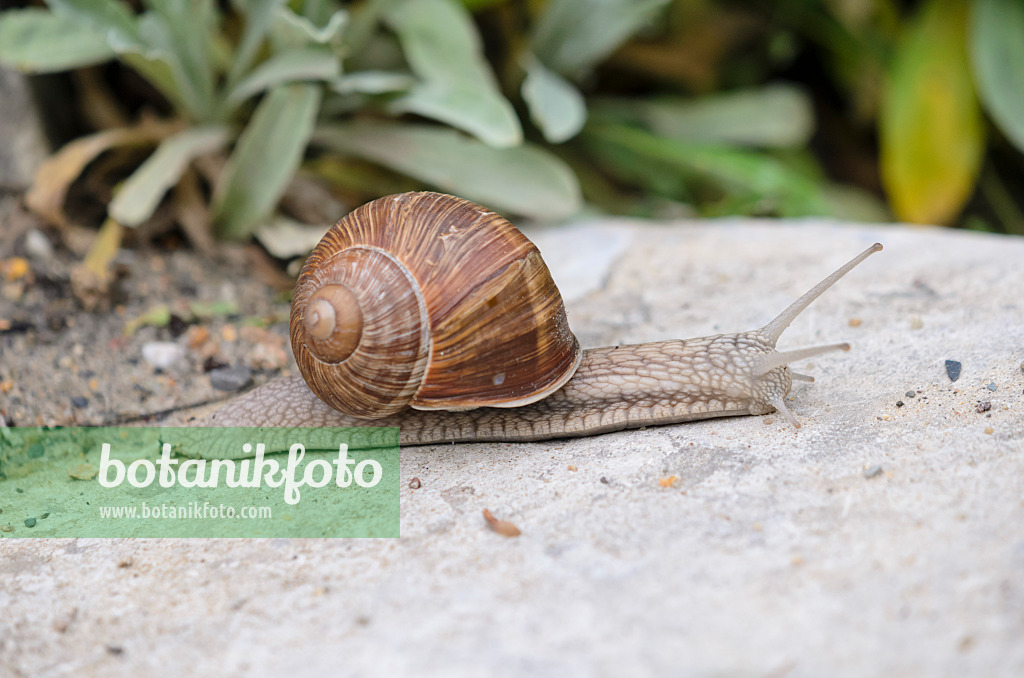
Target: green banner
point(199, 482)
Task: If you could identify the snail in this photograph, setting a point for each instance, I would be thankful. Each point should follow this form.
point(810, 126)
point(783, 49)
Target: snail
point(432, 313)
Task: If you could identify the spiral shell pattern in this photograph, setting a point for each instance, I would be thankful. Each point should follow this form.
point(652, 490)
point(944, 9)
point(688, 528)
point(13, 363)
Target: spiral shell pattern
point(455, 309)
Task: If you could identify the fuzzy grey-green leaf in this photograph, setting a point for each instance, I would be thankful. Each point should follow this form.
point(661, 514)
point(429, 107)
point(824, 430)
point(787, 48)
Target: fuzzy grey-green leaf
point(140, 194)
point(524, 180)
point(265, 158)
point(997, 56)
point(37, 41)
point(556, 106)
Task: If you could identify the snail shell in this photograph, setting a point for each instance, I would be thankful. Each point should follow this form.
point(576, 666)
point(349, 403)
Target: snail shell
point(429, 301)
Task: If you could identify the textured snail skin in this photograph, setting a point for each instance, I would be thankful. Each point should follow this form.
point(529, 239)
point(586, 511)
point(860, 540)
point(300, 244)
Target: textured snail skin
point(614, 388)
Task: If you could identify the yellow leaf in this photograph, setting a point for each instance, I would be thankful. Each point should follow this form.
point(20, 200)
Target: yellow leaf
point(931, 129)
point(103, 250)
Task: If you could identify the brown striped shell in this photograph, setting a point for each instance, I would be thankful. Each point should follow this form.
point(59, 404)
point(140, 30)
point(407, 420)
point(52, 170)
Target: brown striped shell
point(429, 301)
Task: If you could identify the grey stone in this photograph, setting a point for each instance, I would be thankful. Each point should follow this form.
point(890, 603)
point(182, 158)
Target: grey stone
point(232, 378)
point(24, 144)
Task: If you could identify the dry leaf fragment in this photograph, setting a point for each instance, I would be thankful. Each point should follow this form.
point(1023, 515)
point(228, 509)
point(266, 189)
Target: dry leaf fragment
point(502, 527)
point(83, 472)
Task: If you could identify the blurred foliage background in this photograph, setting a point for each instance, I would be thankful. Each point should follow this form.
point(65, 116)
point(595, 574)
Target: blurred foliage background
point(272, 117)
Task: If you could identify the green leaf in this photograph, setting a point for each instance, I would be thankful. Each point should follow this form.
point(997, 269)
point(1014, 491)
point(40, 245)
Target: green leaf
point(290, 30)
point(997, 55)
point(572, 36)
point(265, 158)
point(290, 66)
point(556, 106)
point(258, 17)
point(140, 194)
point(112, 17)
point(524, 180)
point(184, 31)
point(774, 116)
point(488, 118)
point(736, 172)
point(932, 139)
point(441, 45)
point(37, 41)
point(373, 82)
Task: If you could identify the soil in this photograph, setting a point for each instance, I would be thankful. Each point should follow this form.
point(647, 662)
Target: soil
point(62, 365)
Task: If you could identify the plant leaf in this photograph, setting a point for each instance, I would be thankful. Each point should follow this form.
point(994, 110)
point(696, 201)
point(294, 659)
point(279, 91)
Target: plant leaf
point(664, 163)
point(463, 106)
point(290, 30)
point(373, 82)
point(574, 35)
point(932, 139)
point(59, 171)
point(774, 116)
point(525, 179)
point(556, 106)
point(112, 17)
point(286, 238)
point(37, 41)
point(997, 55)
point(441, 45)
point(266, 157)
point(121, 27)
point(290, 66)
point(182, 32)
point(140, 194)
point(258, 17)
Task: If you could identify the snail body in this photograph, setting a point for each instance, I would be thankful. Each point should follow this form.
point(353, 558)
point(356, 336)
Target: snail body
point(482, 350)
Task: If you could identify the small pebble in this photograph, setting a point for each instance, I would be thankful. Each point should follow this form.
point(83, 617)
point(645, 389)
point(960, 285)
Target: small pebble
point(899, 403)
point(79, 402)
point(992, 386)
point(915, 322)
point(36, 450)
point(855, 322)
point(38, 246)
point(873, 471)
point(162, 354)
point(6, 528)
point(953, 369)
point(30, 522)
point(415, 484)
point(910, 394)
point(230, 378)
point(45, 515)
point(988, 430)
point(983, 406)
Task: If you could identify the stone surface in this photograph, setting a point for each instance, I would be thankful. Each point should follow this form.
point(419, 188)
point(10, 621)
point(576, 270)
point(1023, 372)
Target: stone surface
point(24, 144)
point(874, 540)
